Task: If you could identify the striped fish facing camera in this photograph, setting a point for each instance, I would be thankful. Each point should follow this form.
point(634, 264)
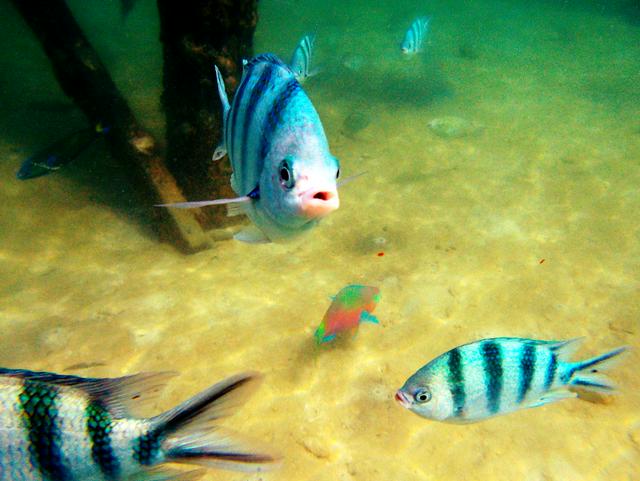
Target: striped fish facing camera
point(496, 376)
point(67, 428)
point(301, 58)
point(283, 172)
point(415, 36)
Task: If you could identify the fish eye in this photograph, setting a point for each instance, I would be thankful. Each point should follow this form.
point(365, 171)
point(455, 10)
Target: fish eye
point(422, 396)
point(286, 176)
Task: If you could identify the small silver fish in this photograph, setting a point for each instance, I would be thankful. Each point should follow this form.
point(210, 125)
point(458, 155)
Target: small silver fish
point(415, 36)
point(67, 428)
point(283, 172)
point(301, 59)
point(496, 376)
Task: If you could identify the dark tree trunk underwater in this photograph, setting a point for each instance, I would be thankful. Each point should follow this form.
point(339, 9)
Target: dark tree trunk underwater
point(196, 34)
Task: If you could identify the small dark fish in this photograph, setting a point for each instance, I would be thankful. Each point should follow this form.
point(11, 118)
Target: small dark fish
point(126, 6)
point(60, 153)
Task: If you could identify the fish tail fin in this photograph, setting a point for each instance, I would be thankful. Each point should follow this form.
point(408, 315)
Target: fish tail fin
point(188, 435)
point(368, 317)
point(221, 149)
point(588, 374)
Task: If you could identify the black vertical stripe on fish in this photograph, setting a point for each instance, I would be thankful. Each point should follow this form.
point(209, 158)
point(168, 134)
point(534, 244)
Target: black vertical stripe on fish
point(455, 378)
point(147, 448)
point(233, 117)
point(274, 116)
point(39, 404)
point(527, 369)
point(550, 372)
point(257, 94)
point(99, 427)
point(492, 357)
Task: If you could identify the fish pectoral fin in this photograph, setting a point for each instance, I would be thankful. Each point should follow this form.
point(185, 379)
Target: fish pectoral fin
point(168, 474)
point(368, 317)
point(235, 209)
point(314, 71)
point(552, 396)
point(328, 338)
point(221, 151)
point(252, 235)
point(204, 203)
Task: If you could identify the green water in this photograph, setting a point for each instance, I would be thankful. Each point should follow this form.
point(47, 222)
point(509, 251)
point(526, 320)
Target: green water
point(529, 227)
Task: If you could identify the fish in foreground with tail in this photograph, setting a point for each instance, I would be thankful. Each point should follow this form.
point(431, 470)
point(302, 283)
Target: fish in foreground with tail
point(283, 172)
point(415, 36)
point(301, 59)
point(351, 306)
point(496, 376)
point(60, 153)
point(67, 428)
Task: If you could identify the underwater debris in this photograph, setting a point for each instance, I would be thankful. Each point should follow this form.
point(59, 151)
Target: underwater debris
point(468, 51)
point(451, 127)
point(143, 143)
point(355, 122)
point(352, 61)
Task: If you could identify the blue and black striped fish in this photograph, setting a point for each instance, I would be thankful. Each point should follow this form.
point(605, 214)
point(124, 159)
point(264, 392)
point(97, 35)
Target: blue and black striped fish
point(283, 172)
point(301, 58)
point(497, 376)
point(415, 36)
point(67, 428)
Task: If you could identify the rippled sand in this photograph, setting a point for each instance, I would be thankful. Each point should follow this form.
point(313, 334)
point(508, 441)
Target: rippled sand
point(529, 229)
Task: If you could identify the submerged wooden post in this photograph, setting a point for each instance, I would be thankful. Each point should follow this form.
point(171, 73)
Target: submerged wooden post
point(84, 78)
point(196, 35)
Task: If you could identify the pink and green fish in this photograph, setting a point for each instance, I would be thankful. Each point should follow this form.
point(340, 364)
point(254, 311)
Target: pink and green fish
point(351, 306)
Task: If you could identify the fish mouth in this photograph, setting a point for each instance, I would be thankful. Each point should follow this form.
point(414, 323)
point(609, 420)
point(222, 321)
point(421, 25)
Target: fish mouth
point(318, 204)
point(402, 399)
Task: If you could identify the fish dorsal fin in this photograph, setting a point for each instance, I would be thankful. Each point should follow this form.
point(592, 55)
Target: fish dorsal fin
point(122, 396)
point(566, 349)
point(264, 57)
